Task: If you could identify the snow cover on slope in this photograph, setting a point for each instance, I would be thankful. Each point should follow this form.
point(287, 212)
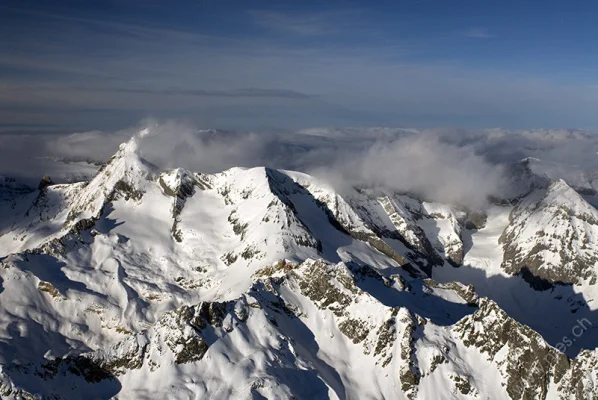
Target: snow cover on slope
point(553, 233)
point(125, 172)
point(319, 330)
point(254, 282)
point(34, 217)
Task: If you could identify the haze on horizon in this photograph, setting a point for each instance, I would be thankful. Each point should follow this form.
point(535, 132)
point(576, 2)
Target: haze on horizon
point(71, 65)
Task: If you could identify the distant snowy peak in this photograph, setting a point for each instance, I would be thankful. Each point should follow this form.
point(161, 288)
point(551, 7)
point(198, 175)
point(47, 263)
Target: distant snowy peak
point(553, 233)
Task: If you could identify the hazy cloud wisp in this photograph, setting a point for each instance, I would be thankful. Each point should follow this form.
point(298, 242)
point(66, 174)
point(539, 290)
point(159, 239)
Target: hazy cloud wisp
point(447, 165)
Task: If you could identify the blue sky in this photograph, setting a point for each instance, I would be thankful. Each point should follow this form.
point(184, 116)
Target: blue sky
point(70, 65)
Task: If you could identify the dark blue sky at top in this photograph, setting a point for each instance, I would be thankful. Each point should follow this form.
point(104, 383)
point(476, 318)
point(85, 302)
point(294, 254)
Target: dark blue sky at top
point(254, 64)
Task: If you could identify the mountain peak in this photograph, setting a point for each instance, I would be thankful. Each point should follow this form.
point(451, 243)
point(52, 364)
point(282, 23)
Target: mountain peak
point(553, 233)
point(126, 173)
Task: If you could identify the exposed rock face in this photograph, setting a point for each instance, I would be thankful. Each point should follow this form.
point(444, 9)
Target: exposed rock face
point(44, 183)
point(523, 180)
point(466, 292)
point(180, 185)
point(447, 221)
point(553, 233)
point(404, 214)
point(185, 335)
point(397, 341)
point(531, 369)
point(182, 331)
point(476, 220)
point(126, 174)
point(409, 373)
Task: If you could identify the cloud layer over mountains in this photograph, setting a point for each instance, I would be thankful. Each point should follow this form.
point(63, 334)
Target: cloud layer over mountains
point(448, 165)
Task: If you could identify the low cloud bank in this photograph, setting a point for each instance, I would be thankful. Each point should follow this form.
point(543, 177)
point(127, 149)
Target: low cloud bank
point(447, 165)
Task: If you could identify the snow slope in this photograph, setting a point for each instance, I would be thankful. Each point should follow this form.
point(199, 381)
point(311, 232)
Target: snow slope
point(260, 283)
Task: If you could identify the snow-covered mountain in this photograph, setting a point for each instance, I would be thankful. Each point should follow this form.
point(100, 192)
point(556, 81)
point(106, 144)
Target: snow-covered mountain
point(264, 283)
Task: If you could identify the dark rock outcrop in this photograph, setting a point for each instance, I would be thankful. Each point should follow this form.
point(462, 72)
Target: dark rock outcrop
point(45, 182)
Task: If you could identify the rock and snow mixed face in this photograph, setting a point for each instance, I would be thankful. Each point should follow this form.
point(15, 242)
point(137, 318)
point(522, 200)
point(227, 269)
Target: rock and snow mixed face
point(260, 283)
point(553, 233)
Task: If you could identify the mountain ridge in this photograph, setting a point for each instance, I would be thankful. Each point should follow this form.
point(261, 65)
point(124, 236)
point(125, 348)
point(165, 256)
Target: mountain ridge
point(151, 274)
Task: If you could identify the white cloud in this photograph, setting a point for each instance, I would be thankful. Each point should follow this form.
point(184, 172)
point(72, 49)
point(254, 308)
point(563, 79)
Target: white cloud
point(451, 165)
